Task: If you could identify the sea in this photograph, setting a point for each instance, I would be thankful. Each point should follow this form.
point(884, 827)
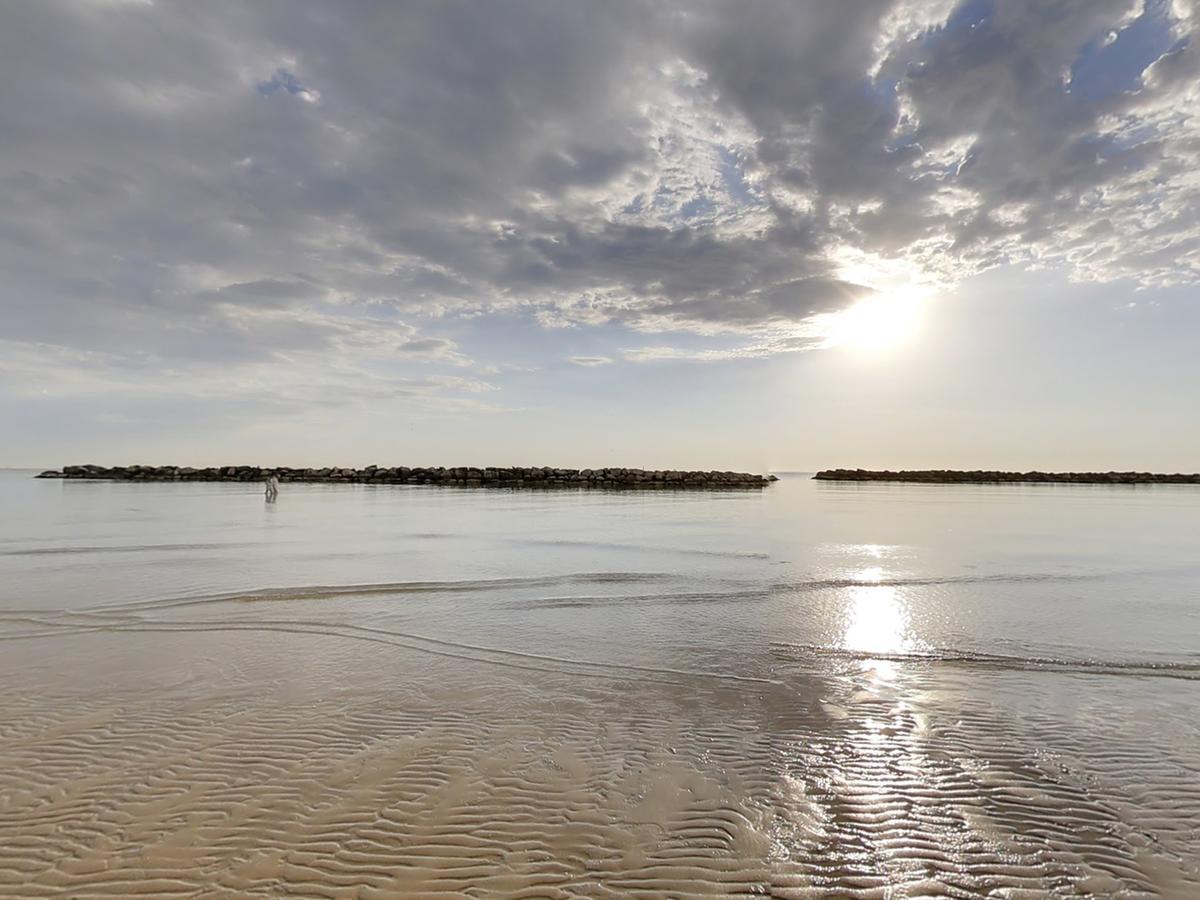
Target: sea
point(966, 690)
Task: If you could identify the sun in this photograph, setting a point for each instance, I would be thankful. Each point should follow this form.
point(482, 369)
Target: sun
point(878, 324)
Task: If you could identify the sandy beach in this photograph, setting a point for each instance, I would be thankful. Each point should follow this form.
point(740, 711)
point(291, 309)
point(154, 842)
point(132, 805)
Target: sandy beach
point(247, 754)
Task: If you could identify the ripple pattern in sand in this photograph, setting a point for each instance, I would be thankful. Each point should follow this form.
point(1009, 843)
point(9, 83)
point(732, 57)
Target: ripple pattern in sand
point(230, 757)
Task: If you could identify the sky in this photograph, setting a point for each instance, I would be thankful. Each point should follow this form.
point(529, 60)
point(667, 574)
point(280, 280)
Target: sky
point(765, 236)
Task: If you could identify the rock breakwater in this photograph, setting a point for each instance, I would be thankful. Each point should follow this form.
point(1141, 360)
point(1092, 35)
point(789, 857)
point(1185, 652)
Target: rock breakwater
point(465, 476)
point(951, 476)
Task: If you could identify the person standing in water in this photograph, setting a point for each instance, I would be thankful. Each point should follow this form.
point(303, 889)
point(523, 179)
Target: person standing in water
point(272, 486)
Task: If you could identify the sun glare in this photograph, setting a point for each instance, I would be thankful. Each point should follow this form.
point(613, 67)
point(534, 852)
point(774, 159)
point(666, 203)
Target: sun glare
point(878, 324)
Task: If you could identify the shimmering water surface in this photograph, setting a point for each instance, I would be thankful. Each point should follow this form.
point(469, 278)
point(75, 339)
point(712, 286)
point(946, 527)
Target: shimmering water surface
point(810, 690)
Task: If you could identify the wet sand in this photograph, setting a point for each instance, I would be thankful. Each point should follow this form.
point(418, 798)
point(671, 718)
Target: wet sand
point(256, 746)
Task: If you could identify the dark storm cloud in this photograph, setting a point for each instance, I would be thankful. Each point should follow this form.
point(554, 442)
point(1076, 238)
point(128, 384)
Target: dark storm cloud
point(235, 181)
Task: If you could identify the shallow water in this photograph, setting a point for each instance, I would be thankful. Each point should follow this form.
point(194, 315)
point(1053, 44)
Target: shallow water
point(811, 690)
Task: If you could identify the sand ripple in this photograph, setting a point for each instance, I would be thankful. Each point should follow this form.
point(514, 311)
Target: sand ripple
point(179, 750)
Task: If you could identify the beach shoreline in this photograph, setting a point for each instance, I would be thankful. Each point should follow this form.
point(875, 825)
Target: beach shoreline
point(803, 692)
point(238, 775)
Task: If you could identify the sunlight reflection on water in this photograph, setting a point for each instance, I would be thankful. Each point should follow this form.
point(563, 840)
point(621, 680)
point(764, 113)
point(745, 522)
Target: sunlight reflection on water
point(878, 616)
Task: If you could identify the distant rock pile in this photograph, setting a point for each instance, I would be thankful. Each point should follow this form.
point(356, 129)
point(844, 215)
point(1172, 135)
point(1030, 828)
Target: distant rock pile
point(465, 476)
point(950, 476)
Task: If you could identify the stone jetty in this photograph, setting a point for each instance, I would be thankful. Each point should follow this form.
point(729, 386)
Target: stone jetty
point(463, 476)
point(951, 476)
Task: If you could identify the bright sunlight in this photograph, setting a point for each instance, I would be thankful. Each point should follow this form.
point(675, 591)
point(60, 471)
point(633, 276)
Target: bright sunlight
point(878, 324)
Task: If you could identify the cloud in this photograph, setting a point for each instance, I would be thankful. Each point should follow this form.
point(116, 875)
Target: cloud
point(700, 167)
point(772, 346)
point(434, 349)
point(265, 292)
point(305, 382)
point(590, 361)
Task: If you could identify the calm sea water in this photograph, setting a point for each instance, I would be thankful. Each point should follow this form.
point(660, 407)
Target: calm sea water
point(1077, 574)
point(810, 690)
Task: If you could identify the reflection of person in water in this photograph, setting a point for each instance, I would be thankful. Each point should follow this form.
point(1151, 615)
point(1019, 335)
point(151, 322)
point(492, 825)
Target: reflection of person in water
point(272, 487)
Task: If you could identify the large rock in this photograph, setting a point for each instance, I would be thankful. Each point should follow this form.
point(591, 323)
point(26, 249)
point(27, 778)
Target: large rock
point(491, 476)
point(977, 476)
